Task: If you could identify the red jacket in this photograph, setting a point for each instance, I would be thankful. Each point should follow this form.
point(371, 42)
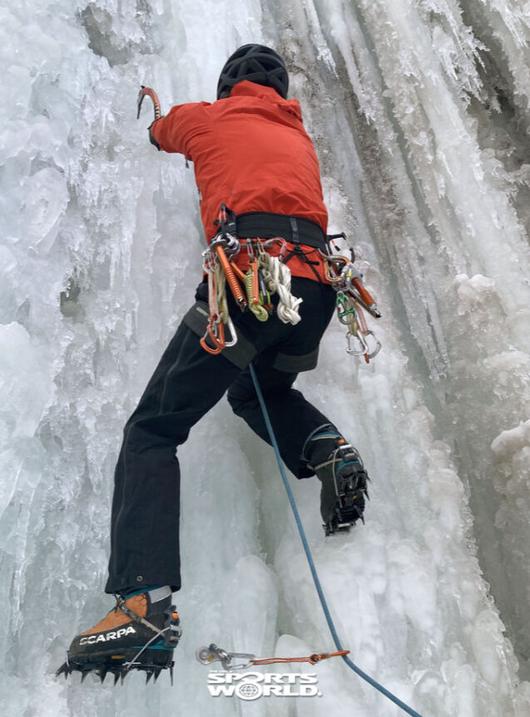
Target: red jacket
point(251, 152)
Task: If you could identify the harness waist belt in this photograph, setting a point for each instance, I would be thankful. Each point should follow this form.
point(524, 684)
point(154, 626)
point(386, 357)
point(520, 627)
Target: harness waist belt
point(293, 229)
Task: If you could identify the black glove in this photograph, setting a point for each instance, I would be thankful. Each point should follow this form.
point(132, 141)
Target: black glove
point(151, 138)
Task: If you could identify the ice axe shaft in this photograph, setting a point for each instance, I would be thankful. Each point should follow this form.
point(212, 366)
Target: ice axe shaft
point(149, 92)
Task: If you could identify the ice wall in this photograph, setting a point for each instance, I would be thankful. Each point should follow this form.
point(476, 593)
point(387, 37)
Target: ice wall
point(99, 256)
point(446, 114)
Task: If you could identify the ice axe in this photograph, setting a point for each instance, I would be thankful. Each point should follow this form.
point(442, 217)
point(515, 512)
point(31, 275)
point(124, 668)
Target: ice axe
point(149, 92)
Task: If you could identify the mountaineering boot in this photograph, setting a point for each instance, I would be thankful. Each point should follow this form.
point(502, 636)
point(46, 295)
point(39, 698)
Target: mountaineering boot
point(339, 467)
point(139, 633)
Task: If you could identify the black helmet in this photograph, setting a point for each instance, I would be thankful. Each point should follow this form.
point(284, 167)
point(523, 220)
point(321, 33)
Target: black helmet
point(255, 63)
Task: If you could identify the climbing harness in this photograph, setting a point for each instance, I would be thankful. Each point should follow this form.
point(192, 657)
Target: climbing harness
point(352, 299)
point(316, 580)
point(268, 275)
point(251, 290)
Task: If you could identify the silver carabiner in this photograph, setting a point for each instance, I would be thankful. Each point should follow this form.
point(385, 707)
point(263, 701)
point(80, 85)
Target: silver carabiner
point(377, 347)
point(212, 653)
point(229, 242)
point(357, 336)
point(274, 240)
point(364, 349)
point(233, 334)
point(233, 245)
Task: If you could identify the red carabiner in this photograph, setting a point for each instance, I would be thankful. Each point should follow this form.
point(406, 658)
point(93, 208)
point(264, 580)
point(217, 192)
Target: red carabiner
point(217, 340)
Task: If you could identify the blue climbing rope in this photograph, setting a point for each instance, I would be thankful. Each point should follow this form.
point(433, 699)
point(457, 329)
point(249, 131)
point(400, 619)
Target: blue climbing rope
point(311, 562)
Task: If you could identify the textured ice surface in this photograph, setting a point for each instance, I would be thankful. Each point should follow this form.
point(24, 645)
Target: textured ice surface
point(419, 111)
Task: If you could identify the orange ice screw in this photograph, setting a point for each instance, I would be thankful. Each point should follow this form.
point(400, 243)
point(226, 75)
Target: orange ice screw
point(233, 283)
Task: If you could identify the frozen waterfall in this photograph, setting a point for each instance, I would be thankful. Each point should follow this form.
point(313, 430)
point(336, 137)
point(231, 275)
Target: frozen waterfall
point(420, 113)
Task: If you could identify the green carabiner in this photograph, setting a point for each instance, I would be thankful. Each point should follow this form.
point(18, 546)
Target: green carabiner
point(345, 308)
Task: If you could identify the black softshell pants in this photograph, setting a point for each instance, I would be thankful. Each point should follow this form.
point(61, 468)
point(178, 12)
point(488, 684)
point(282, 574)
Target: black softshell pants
point(186, 384)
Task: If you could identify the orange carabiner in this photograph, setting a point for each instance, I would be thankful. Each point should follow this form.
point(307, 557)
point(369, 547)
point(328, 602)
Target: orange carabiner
point(217, 340)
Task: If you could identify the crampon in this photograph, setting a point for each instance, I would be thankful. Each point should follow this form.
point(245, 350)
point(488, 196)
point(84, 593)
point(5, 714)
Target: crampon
point(125, 641)
point(119, 666)
point(350, 505)
point(346, 488)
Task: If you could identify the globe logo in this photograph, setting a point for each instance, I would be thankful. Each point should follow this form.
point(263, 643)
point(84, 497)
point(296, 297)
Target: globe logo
point(248, 691)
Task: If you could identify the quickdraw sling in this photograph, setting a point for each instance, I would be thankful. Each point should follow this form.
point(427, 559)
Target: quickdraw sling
point(243, 660)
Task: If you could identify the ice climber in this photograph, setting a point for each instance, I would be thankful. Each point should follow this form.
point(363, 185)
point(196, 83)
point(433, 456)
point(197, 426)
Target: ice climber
point(252, 155)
